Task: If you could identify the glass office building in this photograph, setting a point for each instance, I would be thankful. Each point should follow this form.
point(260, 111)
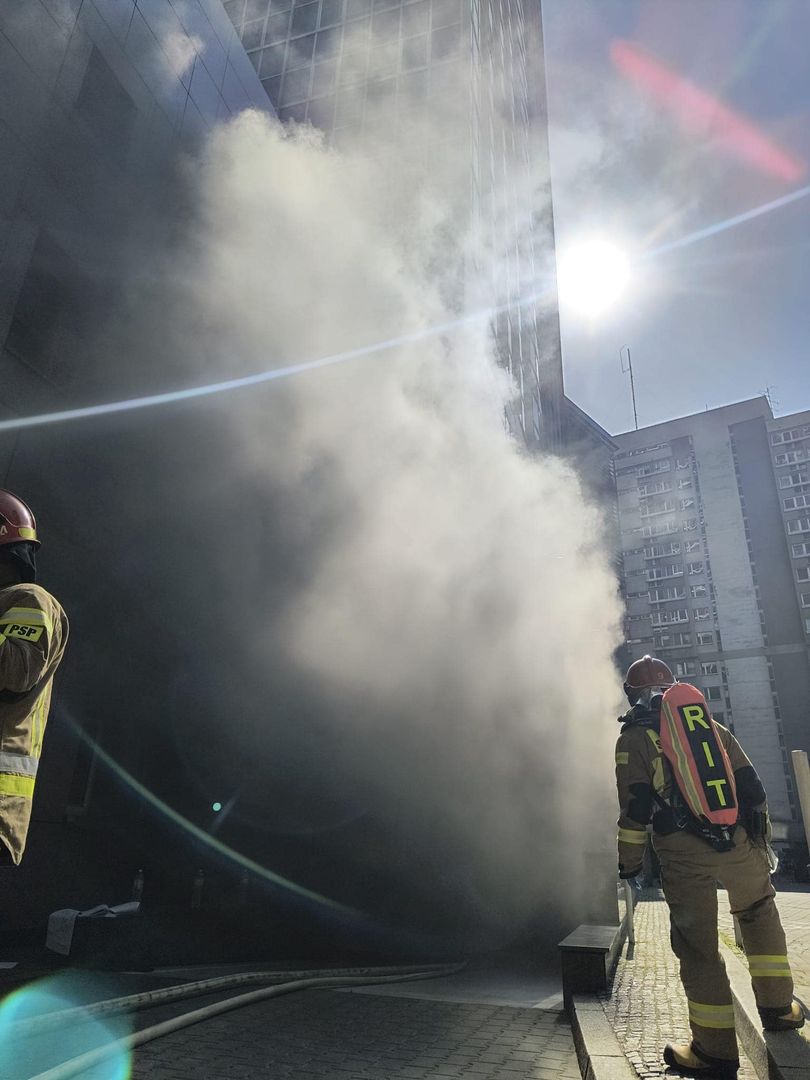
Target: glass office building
point(336, 63)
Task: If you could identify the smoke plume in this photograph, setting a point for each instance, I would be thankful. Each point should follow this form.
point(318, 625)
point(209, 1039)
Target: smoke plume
point(398, 626)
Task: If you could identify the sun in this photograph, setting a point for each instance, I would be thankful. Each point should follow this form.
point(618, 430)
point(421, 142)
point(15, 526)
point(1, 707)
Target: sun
point(592, 275)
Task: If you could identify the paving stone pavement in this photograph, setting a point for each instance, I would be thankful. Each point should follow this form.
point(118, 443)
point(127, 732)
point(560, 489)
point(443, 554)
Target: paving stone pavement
point(647, 1006)
point(324, 1035)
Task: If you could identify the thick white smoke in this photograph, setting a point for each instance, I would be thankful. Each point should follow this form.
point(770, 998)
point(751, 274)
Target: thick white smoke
point(457, 610)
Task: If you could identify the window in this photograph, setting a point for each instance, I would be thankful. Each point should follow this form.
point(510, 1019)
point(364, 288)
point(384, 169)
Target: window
point(687, 504)
point(106, 106)
point(803, 573)
point(667, 618)
point(671, 592)
point(807, 625)
point(692, 545)
point(799, 525)
point(797, 502)
point(806, 599)
point(653, 468)
point(331, 12)
point(660, 551)
point(792, 457)
point(674, 640)
point(685, 482)
point(794, 479)
point(702, 613)
point(305, 19)
point(653, 510)
point(683, 668)
point(798, 550)
point(719, 717)
point(698, 591)
point(778, 437)
point(663, 529)
point(695, 567)
point(713, 693)
point(667, 571)
point(656, 487)
point(709, 667)
point(705, 637)
point(682, 463)
point(51, 314)
point(690, 524)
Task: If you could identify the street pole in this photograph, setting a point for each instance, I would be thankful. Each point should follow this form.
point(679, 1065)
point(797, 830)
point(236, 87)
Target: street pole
point(801, 770)
point(625, 370)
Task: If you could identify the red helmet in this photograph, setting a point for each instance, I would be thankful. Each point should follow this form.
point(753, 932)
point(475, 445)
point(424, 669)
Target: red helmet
point(16, 520)
point(646, 672)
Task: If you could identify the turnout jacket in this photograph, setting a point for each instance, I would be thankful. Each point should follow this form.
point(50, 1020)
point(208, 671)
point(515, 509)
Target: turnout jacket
point(33, 635)
point(642, 772)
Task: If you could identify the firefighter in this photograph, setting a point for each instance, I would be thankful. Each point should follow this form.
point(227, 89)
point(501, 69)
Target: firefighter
point(33, 635)
point(691, 866)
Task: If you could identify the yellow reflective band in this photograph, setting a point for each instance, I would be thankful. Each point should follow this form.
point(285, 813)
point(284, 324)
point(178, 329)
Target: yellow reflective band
point(26, 616)
point(10, 784)
point(655, 739)
point(658, 775)
point(711, 1016)
point(632, 836)
point(622, 757)
point(762, 959)
point(26, 533)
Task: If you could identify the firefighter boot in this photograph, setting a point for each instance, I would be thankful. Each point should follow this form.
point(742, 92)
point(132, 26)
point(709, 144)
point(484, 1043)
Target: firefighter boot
point(688, 1062)
point(789, 1018)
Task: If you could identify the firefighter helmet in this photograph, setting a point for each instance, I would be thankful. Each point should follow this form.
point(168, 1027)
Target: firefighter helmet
point(16, 521)
point(646, 672)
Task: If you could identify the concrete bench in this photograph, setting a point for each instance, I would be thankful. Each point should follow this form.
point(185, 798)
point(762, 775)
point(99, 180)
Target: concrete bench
point(588, 955)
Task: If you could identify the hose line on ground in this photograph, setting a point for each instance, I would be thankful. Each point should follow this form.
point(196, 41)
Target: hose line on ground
point(68, 1069)
point(149, 998)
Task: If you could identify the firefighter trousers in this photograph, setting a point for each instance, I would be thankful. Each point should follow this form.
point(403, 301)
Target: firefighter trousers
point(690, 872)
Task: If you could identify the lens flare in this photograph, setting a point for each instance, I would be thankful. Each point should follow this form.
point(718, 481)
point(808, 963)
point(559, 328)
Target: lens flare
point(702, 115)
point(24, 1055)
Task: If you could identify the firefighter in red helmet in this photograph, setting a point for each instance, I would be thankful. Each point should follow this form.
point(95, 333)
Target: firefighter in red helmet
point(33, 635)
point(695, 854)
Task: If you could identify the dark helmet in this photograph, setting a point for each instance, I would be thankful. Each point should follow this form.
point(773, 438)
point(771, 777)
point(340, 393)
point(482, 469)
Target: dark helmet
point(647, 672)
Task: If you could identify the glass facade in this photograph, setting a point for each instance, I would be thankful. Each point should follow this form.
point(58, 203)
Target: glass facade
point(337, 63)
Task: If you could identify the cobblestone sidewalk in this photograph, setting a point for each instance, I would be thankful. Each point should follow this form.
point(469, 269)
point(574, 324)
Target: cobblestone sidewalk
point(323, 1035)
point(647, 1007)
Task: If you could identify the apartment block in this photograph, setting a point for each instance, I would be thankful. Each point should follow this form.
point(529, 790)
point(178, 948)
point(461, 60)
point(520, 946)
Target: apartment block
point(715, 550)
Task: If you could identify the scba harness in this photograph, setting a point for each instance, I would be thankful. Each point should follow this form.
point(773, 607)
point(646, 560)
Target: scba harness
point(705, 800)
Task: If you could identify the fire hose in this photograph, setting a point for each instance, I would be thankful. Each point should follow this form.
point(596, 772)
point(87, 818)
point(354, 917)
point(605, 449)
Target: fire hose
point(310, 980)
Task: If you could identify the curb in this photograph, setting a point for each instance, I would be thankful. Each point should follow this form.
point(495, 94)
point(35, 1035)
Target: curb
point(775, 1055)
point(599, 1054)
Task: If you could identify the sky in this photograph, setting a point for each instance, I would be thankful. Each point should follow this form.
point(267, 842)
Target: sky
point(667, 117)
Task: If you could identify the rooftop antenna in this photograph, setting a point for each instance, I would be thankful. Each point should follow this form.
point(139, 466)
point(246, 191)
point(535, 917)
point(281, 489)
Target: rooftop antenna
point(772, 401)
point(625, 371)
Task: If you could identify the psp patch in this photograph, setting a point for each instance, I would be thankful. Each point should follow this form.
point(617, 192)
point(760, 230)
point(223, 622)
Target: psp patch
point(30, 633)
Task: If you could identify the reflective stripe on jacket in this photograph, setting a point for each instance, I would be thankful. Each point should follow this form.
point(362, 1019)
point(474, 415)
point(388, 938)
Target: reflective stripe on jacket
point(33, 635)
